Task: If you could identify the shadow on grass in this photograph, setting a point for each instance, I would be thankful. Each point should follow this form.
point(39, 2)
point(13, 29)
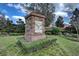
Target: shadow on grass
point(71, 38)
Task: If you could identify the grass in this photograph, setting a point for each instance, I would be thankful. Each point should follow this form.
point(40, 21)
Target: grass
point(8, 45)
point(63, 47)
point(29, 47)
point(69, 46)
point(7, 40)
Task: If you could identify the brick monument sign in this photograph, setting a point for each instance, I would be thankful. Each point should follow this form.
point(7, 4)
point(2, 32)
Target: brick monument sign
point(34, 28)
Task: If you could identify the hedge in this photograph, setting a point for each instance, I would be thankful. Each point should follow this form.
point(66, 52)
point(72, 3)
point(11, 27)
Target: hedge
point(16, 34)
point(53, 30)
point(27, 47)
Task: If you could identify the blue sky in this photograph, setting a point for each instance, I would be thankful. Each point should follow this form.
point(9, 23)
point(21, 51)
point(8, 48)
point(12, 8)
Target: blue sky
point(65, 10)
point(12, 10)
point(15, 11)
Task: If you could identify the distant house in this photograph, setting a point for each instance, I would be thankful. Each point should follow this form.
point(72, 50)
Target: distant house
point(66, 26)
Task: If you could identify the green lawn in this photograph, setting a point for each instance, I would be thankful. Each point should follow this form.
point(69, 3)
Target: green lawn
point(8, 45)
point(63, 47)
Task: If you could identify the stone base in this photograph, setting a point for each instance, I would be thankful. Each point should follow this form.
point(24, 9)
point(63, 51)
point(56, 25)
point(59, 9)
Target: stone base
point(34, 37)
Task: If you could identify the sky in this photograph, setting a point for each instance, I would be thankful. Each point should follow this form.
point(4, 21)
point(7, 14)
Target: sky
point(15, 11)
point(65, 10)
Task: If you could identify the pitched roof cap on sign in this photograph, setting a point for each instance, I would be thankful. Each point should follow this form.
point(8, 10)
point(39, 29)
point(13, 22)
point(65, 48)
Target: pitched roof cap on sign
point(35, 14)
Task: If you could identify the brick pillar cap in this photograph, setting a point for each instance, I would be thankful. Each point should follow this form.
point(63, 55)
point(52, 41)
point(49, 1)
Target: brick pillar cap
point(35, 14)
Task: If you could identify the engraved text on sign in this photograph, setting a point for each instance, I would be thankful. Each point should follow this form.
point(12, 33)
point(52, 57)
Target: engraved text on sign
point(38, 26)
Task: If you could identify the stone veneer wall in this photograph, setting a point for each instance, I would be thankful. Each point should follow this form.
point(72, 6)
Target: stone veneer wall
point(30, 34)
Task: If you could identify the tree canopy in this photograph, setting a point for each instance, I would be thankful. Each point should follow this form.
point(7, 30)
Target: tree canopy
point(46, 9)
point(59, 22)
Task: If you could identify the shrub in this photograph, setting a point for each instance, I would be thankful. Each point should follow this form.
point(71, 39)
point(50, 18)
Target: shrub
point(53, 30)
point(15, 34)
point(27, 47)
point(48, 31)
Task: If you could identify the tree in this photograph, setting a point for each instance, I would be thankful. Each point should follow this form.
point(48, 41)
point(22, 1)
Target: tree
point(76, 12)
point(9, 26)
point(20, 26)
point(75, 21)
point(59, 22)
point(2, 21)
point(42, 8)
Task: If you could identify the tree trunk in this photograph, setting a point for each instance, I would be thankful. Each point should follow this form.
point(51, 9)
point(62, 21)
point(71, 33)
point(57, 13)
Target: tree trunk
point(77, 34)
point(76, 30)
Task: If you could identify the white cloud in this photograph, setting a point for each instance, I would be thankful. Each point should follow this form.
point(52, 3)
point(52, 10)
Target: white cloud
point(61, 6)
point(6, 16)
point(57, 14)
point(68, 9)
point(18, 7)
point(4, 11)
point(64, 14)
point(18, 17)
point(66, 23)
point(23, 9)
point(10, 5)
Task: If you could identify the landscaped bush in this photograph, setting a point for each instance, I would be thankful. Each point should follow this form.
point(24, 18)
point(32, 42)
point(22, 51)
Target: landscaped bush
point(53, 30)
point(27, 47)
point(15, 34)
point(48, 31)
point(11, 34)
point(72, 37)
